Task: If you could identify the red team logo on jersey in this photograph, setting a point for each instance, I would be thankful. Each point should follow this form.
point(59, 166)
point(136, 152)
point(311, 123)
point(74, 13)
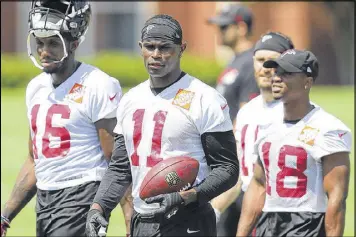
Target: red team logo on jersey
point(183, 98)
point(76, 93)
point(308, 135)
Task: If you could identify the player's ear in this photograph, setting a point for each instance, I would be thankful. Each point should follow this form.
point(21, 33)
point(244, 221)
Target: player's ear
point(308, 83)
point(73, 46)
point(242, 29)
point(140, 45)
point(182, 48)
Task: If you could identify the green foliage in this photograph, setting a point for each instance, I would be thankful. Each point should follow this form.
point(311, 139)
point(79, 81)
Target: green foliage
point(17, 71)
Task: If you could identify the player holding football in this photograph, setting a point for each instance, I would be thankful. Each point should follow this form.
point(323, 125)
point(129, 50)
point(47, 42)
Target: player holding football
point(260, 110)
point(71, 108)
point(171, 114)
point(302, 173)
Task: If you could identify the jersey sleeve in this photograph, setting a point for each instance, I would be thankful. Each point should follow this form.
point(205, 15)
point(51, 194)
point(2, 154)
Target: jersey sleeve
point(263, 131)
point(239, 118)
point(331, 142)
point(119, 116)
point(104, 99)
point(214, 113)
point(32, 87)
point(29, 94)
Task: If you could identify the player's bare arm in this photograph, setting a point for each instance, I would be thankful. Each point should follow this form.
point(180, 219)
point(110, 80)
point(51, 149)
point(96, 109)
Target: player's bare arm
point(224, 200)
point(105, 129)
point(24, 189)
point(127, 208)
point(336, 170)
point(253, 201)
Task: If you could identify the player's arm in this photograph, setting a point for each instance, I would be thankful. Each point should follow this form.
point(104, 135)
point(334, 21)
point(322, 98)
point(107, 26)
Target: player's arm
point(127, 208)
point(102, 103)
point(220, 153)
point(24, 189)
point(253, 201)
point(224, 200)
point(104, 128)
point(336, 170)
point(113, 186)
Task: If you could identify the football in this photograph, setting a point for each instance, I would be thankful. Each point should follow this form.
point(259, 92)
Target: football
point(170, 175)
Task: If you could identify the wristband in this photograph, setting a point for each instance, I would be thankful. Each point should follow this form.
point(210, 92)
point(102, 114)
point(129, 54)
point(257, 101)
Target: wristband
point(6, 221)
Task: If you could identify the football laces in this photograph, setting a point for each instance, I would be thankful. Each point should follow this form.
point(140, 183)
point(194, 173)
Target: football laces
point(185, 187)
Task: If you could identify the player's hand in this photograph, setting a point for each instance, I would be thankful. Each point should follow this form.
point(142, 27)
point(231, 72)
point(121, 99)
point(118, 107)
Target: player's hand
point(5, 223)
point(96, 224)
point(169, 205)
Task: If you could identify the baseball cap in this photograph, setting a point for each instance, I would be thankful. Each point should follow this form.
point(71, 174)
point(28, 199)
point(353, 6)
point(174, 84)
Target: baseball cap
point(232, 14)
point(294, 61)
point(274, 41)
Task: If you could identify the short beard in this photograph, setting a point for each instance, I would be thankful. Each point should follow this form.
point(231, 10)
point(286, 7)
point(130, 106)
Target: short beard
point(51, 70)
point(57, 69)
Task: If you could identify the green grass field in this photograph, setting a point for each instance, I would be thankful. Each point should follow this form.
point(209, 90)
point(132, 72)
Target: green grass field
point(339, 101)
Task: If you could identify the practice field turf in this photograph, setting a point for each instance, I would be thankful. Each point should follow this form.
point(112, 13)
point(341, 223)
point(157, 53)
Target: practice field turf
point(14, 136)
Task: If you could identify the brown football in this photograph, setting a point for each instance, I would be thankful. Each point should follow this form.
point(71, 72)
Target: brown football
point(170, 175)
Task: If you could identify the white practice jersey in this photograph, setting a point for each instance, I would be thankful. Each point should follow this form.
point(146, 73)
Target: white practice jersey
point(256, 112)
point(291, 156)
point(66, 145)
point(169, 124)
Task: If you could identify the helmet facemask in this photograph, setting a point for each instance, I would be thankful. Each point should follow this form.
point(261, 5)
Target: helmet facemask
point(65, 19)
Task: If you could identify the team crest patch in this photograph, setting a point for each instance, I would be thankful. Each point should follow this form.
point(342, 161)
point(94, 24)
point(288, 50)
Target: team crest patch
point(76, 93)
point(183, 98)
point(172, 179)
point(308, 135)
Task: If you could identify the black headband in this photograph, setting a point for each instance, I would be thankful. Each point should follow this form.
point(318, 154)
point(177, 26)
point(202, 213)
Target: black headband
point(163, 29)
point(274, 42)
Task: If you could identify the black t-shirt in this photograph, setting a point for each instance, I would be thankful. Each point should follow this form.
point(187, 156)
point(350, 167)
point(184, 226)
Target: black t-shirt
point(237, 82)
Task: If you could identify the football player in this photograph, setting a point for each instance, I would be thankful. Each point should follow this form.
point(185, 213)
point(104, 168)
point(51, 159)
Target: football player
point(302, 173)
point(258, 111)
point(171, 114)
point(236, 83)
point(71, 108)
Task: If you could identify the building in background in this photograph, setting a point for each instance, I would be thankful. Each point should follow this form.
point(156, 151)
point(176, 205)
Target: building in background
point(114, 25)
point(327, 29)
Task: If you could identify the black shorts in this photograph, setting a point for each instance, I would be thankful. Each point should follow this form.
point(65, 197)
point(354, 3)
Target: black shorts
point(227, 225)
point(63, 212)
point(291, 224)
point(196, 222)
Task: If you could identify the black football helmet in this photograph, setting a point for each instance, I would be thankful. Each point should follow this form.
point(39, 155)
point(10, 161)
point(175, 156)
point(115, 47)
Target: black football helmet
point(67, 19)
